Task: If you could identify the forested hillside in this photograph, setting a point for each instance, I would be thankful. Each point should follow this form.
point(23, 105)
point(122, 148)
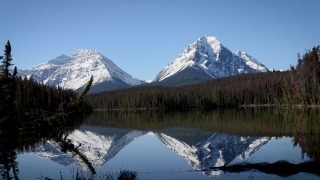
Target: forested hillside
point(20, 96)
point(300, 85)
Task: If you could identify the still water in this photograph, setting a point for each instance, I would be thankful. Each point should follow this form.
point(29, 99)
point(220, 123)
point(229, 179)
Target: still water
point(177, 145)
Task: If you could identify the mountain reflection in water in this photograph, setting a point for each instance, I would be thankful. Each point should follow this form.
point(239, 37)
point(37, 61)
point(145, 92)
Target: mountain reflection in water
point(216, 150)
point(202, 140)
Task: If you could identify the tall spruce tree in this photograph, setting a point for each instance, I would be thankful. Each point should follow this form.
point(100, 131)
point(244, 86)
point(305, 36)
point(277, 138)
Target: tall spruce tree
point(6, 61)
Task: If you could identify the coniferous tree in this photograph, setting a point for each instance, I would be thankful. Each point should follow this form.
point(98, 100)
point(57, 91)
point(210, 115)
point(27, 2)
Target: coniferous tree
point(6, 82)
point(306, 77)
point(6, 61)
point(78, 103)
point(15, 72)
point(85, 90)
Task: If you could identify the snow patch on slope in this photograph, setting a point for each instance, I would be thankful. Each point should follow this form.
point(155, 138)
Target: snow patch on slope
point(43, 71)
point(251, 61)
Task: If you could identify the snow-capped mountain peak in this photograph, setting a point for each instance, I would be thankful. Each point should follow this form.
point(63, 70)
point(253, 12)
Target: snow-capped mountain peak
point(196, 54)
point(204, 44)
point(211, 41)
point(207, 56)
point(86, 63)
point(74, 72)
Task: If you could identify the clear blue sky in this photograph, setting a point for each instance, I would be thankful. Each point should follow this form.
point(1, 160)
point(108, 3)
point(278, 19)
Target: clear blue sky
point(143, 36)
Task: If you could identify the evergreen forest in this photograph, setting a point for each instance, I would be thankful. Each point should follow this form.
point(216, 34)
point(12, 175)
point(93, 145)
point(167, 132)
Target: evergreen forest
point(298, 86)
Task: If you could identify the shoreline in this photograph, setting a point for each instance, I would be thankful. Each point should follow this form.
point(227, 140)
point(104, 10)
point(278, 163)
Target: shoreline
point(248, 105)
point(283, 106)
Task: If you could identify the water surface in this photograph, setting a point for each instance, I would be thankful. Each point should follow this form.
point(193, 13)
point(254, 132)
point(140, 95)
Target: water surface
point(174, 145)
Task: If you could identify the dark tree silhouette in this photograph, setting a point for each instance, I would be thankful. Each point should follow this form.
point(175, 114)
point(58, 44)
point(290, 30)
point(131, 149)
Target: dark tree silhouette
point(6, 61)
point(7, 82)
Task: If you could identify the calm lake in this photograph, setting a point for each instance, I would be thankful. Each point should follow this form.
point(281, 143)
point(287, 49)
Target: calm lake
point(173, 145)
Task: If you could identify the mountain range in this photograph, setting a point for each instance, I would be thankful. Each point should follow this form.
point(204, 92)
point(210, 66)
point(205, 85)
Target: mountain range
point(202, 60)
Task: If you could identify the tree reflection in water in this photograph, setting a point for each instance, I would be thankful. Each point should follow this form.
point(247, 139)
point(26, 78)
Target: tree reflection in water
point(66, 145)
point(16, 138)
point(280, 168)
point(8, 161)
